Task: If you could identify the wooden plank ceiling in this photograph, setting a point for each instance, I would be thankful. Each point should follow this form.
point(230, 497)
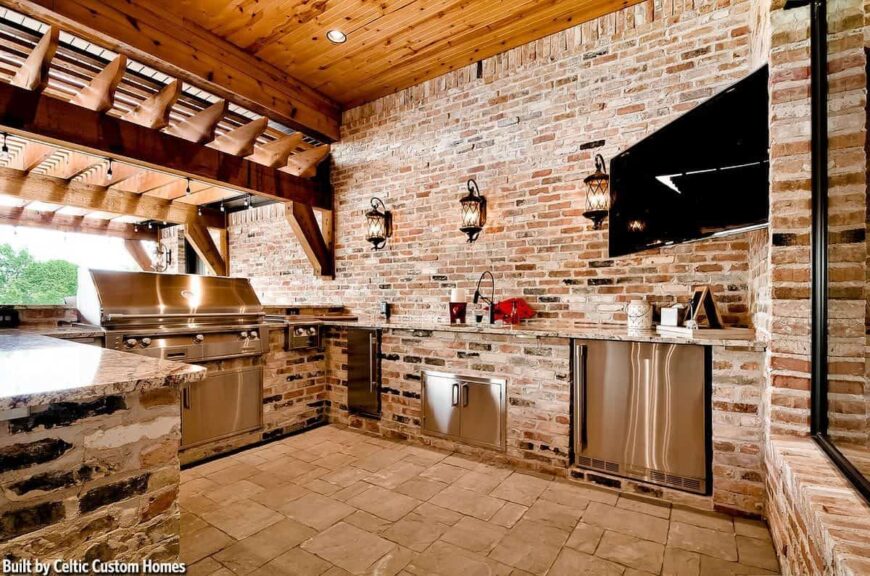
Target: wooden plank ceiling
point(391, 44)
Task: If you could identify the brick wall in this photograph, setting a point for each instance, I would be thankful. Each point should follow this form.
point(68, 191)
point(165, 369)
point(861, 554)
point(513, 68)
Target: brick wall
point(527, 129)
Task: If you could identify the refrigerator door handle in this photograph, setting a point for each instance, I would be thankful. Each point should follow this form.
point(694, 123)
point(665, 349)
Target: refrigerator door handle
point(185, 398)
point(454, 395)
point(465, 394)
point(580, 367)
point(371, 364)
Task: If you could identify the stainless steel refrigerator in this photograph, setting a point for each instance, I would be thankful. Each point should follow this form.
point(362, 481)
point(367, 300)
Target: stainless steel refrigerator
point(364, 372)
point(642, 411)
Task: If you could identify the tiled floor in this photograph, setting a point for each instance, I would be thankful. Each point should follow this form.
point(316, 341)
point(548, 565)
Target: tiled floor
point(334, 502)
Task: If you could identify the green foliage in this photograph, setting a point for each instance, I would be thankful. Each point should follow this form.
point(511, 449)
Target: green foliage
point(23, 280)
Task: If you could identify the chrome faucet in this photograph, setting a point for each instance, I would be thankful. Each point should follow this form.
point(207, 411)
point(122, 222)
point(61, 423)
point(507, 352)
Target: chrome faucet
point(478, 296)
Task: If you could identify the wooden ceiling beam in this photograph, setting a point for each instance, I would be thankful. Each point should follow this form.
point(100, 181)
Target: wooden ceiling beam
point(153, 112)
point(37, 187)
point(190, 53)
point(33, 74)
point(198, 236)
point(41, 117)
point(31, 155)
point(78, 224)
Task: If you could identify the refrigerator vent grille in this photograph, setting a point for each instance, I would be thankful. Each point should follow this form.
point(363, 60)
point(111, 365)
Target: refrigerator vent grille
point(599, 464)
point(678, 481)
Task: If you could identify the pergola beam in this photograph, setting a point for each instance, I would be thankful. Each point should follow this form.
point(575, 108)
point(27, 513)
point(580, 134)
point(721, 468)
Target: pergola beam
point(78, 224)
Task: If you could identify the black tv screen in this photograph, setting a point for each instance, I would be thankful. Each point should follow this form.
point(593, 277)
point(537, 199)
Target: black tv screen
point(704, 174)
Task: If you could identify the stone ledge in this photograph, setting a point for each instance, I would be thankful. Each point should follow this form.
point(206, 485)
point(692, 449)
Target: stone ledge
point(820, 523)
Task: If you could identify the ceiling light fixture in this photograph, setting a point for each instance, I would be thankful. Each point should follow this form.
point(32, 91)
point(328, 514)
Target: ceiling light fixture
point(109, 171)
point(336, 36)
point(187, 190)
point(5, 148)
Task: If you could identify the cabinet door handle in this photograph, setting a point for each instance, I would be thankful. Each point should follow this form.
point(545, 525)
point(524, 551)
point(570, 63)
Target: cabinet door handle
point(465, 394)
point(185, 398)
point(454, 395)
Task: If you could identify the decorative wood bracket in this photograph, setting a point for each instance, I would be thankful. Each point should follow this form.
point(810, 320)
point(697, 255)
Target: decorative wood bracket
point(317, 244)
point(137, 251)
point(197, 234)
point(33, 74)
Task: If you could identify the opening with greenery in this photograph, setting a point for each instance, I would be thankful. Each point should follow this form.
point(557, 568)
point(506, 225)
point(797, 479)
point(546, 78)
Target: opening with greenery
point(24, 280)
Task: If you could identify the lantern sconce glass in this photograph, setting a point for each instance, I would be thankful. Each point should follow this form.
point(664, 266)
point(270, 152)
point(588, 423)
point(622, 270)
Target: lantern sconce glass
point(597, 194)
point(473, 211)
point(379, 224)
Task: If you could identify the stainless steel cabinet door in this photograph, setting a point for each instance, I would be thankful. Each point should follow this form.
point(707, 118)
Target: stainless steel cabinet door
point(441, 405)
point(223, 404)
point(363, 372)
point(482, 413)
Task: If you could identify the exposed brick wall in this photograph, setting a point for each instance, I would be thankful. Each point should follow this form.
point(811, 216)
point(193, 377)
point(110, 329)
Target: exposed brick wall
point(527, 130)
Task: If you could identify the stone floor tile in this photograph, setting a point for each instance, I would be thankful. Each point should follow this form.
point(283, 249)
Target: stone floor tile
point(190, 523)
point(530, 546)
point(704, 540)
point(197, 545)
point(267, 480)
point(572, 495)
point(443, 559)
point(751, 528)
point(213, 466)
point(276, 498)
point(294, 562)
point(420, 488)
point(681, 563)
point(243, 518)
point(234, 492)
point(756, 552)
point(288, 468)
point(318, 512)
point(474, 535)
point(509, 514)
point(346, 476)
point(360, 450)
point(394, 474)
point(425, 457)
point(461, 461)
point(644, 505)
point(335, 571)
point(553, 514)
point(631, 551)
point(414, 531)
point(321, 487)
point(635, 524)
point(585, 538)
point(717, 567)
point(704, 519)
point(199, 485)
point(189, 474)
point(477, 481)
point(367, 522)
point(346, 494)
point(444, 472)
point(335, 461)
point(439, 514)
point(233, 473)
point(348, 547)
point(520, 488)
point(249, 457)
point(250, 553)
point(196, 503)
point(387, 504)
point(573, 563)
point(392, 562)
point(467, 502)
point(379, 460)
point(205, 567)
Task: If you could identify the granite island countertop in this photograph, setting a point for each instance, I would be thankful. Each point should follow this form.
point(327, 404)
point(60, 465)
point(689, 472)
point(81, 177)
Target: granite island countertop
point(36, 370)
point(555, 330)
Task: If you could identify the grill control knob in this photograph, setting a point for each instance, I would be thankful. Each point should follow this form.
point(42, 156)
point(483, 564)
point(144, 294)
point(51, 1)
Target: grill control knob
point(146, 342)
point(198, 338)
point(254, 335)
point(130, 342)
point(312, 331)
point(300, 331)
point(244, 334)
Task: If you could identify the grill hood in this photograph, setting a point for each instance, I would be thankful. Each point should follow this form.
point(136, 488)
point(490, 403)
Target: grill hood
point(110, 298)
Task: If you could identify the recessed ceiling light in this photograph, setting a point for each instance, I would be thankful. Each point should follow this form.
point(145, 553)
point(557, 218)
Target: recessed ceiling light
point(336, 36)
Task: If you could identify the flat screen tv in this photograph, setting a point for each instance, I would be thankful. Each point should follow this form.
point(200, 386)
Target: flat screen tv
point(704, 174)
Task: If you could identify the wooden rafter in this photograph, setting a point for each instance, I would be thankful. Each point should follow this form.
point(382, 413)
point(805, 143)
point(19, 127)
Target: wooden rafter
point(72, 165)
point(275, 153)
point(36, 115)
point(99, 95)
point(194, 55)
point(154, 111)
point(78, 224)
point(304, 164)
point(199, 237)
point(303, 222)
point(240, 141)
point(200, 127)
point(31, 155)
point(37, 187)
point(139, 254)
point(33, 74)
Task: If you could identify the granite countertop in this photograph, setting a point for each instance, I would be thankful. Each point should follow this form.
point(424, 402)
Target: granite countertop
point(557, 330)
point(37, 370)
point(65, 331)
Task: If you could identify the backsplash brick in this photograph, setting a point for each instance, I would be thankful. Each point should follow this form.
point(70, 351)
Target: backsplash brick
point(527, 131)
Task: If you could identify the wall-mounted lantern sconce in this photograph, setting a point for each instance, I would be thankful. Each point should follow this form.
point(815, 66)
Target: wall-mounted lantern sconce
point(379, 224)
point(473, 211)
point(597, 193)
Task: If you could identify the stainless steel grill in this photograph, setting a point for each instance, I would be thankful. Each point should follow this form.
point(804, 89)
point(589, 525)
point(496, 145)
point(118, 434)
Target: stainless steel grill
point(193, 319)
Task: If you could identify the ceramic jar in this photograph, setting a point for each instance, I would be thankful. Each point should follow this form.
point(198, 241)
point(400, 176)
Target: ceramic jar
point(639, 315)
